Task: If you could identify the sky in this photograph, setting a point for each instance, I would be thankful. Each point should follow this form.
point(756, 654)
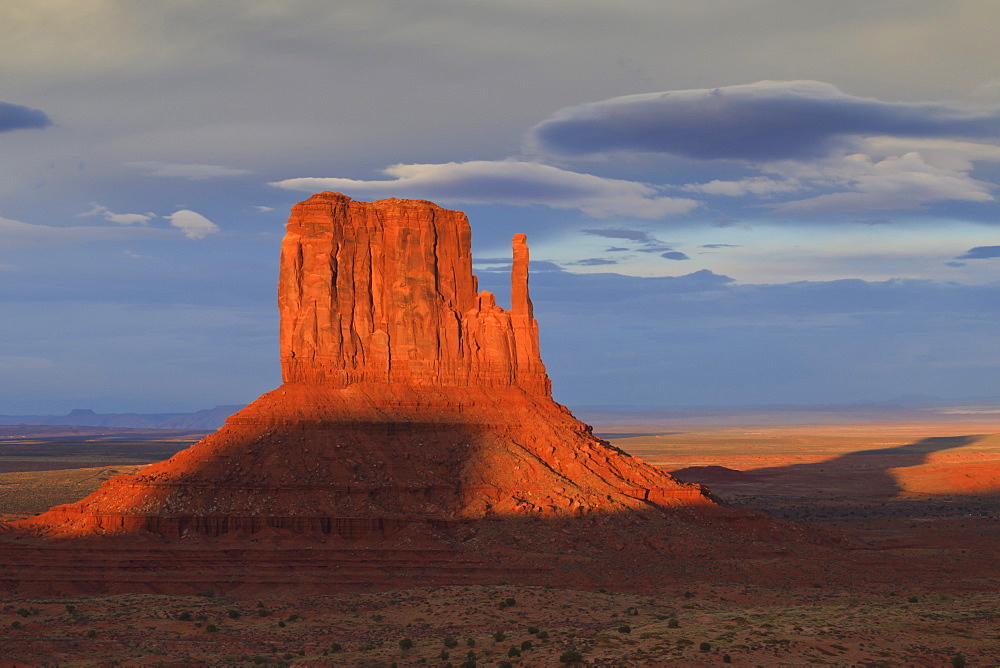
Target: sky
point(728, 202)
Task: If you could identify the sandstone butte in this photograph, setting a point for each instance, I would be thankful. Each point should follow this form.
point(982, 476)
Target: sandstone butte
point(415, 419)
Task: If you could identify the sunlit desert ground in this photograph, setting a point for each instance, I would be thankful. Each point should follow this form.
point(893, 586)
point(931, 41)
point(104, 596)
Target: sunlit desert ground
point(927, 493)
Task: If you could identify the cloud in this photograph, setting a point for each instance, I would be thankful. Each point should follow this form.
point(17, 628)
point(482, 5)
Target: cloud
point(980, 253)
point(512, 182)
point(194, 225)
point(631, 235)
point(901, 182)
point(120, 218)
point(721, 246)
point(649, 243)
point(594, 262)
point(17, 234)
point(16, 117)
point(674, 255)
point(263, 209)
point(763, 121)
point(193, 172)
point(756, 185)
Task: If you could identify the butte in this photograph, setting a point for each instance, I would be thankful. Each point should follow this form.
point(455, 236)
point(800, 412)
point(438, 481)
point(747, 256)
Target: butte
point(414, 440)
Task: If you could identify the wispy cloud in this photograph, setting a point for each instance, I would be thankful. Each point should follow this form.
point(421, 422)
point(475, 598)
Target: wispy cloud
point(120, 218)
point(513, 182)
point(17, 234)
point(646, 242)
point(194, 172)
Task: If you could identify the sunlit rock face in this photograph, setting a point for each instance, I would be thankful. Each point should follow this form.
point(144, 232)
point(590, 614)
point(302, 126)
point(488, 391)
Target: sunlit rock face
point(383, 292)
point(410, 399)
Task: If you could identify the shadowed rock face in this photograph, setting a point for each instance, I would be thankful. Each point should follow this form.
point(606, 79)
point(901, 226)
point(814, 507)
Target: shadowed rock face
point(410, 399)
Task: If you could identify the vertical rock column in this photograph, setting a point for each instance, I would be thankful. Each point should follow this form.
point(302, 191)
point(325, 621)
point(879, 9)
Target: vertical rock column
point(529, 370)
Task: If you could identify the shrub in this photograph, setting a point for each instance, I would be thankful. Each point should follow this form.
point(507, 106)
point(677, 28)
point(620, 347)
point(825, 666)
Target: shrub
point(510, 602)
point(526, 644)
point(673, 623)
point(450, 642)
point(336, 647)
point(405, 644)
point(958, 661)
point(533, 630)
point(208, 593)
point(470, 642)
point(914, 599)
point(570, 656)
point(513, 652)
point(444, 655)
point(184, 616)
point(233, 614)
point(281, 625)
point(211, 628)
point(498, 636)
point(543, 635)
point(705, 646)
point(15, 625)
point(726, 658)
point(624, 628)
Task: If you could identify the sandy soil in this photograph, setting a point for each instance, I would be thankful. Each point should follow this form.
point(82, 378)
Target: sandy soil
point(923, 497)
point(523, 625)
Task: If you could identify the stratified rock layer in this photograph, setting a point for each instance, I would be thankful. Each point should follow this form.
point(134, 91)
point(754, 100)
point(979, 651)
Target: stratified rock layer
point(383, 292)
point(414, 441)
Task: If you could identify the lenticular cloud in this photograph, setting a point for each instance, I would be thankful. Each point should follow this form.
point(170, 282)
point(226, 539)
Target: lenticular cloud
point(763, 121)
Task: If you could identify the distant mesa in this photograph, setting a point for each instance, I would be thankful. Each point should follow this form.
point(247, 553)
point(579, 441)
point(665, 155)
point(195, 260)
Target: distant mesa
point(205, 420)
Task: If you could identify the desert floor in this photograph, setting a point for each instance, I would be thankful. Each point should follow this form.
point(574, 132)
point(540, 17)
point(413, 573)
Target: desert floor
point(929, 492)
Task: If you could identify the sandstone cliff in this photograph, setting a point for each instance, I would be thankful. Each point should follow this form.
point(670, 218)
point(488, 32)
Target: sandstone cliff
point(409, 397)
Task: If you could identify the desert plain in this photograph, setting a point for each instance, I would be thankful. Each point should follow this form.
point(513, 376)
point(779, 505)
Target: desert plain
point(914, 505)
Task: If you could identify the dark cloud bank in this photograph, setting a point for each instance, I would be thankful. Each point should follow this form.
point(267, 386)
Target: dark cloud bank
point(757, 122)
point(17, 117)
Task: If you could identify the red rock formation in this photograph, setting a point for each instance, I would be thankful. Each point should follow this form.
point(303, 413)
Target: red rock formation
point(383, 292)
point(410, 400)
